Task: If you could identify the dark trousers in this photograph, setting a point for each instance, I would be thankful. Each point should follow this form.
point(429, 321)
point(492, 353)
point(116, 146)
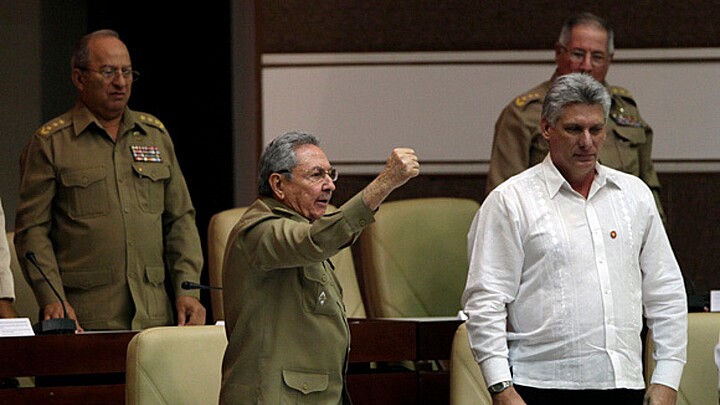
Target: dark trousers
point(540, 396)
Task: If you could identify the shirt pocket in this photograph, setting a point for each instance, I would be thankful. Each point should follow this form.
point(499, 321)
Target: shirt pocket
point(625, 154)
point(304, 382)
point(86, 192)
point(85, 288)
point(150, 186)
point(319, 296)
point(156, 298)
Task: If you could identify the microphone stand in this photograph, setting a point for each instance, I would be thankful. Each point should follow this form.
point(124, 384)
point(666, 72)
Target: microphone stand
point(52, 326)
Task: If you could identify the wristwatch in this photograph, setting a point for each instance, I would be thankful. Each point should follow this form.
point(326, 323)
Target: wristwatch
point(500, 387)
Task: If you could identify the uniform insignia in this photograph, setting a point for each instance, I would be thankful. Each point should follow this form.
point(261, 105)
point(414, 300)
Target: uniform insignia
point(322, 298)
point(526, 98)
point(149, 119)
point(52, 126)
point(142, 153)
point(627, 120)
point(621, 92)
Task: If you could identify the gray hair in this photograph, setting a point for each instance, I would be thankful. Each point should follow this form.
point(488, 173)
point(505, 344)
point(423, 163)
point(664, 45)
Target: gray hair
point(279, 156)
point(591, 20)
point(574, 88)
point(81, 52)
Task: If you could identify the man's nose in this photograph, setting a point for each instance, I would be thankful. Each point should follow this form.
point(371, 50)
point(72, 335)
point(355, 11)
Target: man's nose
point(585, 138)
point(586, 64)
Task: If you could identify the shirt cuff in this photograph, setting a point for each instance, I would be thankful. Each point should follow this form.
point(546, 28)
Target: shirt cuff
point(495, 370)
point(357, 214)
point(668, 373)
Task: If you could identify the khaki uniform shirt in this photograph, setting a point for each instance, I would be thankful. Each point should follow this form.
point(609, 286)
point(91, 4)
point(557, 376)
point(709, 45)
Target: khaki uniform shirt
point(7, 287)
point(107, 220)
point(288, 336)
point(518, 143)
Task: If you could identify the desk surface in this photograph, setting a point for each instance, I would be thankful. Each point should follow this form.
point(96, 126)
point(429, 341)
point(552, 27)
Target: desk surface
point(373, 340)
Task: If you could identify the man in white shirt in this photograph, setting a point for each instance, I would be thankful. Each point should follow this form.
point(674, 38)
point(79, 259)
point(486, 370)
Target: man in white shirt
point(565, 259)
point(7, 291)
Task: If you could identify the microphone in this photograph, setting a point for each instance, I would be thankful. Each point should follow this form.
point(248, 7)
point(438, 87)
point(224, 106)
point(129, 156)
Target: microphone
point(52, 326)
point(189, 285)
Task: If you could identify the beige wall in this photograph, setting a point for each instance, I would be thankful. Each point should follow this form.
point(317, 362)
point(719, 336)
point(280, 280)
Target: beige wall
point(445, 104)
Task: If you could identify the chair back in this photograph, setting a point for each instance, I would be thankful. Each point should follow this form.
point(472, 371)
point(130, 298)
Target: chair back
point(467, 385)
point(25, 303)
point(170, 365)
point(414, 257)
point(222, 223)
point(699, 384)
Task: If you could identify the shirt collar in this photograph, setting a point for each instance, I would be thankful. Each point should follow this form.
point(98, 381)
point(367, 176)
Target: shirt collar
point(279, 208)
point(82, 118)
point(554, 180)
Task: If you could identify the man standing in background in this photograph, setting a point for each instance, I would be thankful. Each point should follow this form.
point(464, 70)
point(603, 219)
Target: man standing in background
point(585, 45)
point(104, 206)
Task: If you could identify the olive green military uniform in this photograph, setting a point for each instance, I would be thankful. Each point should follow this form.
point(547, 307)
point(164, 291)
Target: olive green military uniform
point(107, 220)
point(288, 336)
point(519, 144)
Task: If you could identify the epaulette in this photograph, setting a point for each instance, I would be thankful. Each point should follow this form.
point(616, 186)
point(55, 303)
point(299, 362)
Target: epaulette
point(622, 92)
point(53, 126)
point(527, 98)
point(152, 121)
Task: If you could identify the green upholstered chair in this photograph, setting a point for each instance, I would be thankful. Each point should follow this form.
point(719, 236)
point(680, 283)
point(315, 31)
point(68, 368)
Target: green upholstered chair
point(414, 257)
point(699, 384)
point(467, 385)
point(170, 365)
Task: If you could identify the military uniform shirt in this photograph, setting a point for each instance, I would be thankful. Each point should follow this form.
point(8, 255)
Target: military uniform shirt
point(288, 336)
point(107, 219)
point(518, 142)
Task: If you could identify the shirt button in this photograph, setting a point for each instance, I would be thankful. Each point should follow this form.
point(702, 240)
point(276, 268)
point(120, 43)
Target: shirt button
point(126, 210)
point(362, 222)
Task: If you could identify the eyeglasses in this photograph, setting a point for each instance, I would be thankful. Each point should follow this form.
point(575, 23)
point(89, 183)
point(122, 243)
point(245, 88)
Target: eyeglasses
point(110, 73)
point(316, 174)
point(578, 56)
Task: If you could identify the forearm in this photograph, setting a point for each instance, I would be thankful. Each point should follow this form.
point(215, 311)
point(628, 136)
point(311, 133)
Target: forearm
point(6, 309)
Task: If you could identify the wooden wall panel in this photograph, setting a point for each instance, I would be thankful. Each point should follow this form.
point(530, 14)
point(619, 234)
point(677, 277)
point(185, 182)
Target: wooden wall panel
point(291, 26)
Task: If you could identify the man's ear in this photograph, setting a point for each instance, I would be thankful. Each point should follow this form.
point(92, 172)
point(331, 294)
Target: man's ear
point(276, 181)
point(77, 78)
point(545, 128)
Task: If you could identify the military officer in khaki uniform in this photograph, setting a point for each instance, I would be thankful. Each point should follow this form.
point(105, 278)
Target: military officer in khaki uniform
point(104, 205)
point(288, 336)
point(585, 45)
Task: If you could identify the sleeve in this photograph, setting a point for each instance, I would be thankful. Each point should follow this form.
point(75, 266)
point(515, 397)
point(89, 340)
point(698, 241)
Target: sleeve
point(510, 148)
point(496, 258)
point(183, 249)
point(34, 218)
point(286, 243)
point(665, 302)
point(7, 288)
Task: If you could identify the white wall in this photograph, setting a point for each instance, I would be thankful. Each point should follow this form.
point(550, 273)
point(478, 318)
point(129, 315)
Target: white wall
point(445, 105)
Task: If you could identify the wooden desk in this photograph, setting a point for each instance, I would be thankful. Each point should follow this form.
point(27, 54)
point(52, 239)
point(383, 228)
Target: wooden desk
point(419, 341)
point(94, 354)
point(102, 354)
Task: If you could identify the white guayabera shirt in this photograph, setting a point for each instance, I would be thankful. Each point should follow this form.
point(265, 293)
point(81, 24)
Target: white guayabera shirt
point(572, 276)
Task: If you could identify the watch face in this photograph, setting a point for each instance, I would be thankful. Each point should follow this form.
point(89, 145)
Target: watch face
point(500, 387)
